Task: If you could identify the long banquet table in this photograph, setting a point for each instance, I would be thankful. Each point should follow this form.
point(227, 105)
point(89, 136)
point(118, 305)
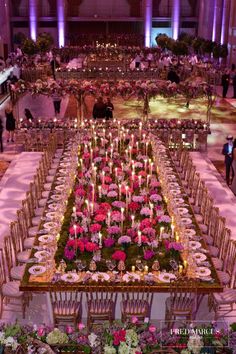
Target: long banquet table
point(85, 280)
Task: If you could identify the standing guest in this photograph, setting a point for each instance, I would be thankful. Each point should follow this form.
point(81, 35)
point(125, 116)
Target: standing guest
point(225, 82)
point(2, 64)
point(28, 114)
point(99, 109)
point(233, 186)
point(109, 109)
point(137, 61)
point(10, 123)
point(227, 152)
point(56, 102)
point(1, 132)
point(234, 84)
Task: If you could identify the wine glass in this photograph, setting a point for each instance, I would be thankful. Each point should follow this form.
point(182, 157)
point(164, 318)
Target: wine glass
point(111, 264)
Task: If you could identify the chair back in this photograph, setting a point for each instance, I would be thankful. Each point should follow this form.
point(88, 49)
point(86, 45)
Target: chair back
point(66, 305)
point(183, 297)
point(137, 303)
point(9, 253)
point(16, 234)
point(101, 302)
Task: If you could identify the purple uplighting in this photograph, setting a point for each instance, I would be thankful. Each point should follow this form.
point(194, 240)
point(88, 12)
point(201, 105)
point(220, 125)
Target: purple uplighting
point(33, 19)
point(61, 23)
point(148, 22)
point(175, 19)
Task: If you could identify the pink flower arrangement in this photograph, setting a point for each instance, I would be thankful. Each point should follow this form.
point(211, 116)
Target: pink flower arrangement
point(119, 336)
point(165, 219)
point(80, 192)
point(109, 242)
point(112, 194)
point(91, 247)
point(173, 245)
point(118, 204)
point(145, 211)
point(100, 217)
point(133, 206)
point(114, 230)
point(108, 179)
point(94, 228)
point(119, 256)
point(148, 254)
point(149, 231)
point(79, 230)
point(124, 239)
point(116, 216)
point(41, 331)
point(138, 199)
point(155, 198)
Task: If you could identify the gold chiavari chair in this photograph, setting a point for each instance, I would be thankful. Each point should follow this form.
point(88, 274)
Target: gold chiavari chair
point(185, 166)
point(217, 239)
point(15, 270)
point(194, 190)
point(189, 183)
point(183, 157)
point(66, 306)
point(176, 139)
point(101, 307)
point(186, 176)
point(213, 226)
point(222, 303)
point(136, 303)
point(206, 209)
point(199, 197)
point(223, 249)
point(27, 234)
point(182, 302)
point(38, 211)
point(42, 201)
point(10, 289)
point(21, 253)
point(227, 274)
point(31, 222)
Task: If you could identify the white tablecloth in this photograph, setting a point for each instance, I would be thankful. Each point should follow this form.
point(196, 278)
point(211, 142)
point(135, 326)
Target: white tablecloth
point(4, 75)
point(13, 187)
point(223, 196)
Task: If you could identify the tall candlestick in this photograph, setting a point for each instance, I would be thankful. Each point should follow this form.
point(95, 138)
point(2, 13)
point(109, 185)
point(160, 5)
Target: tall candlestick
point(172, 230)
point(132, 218)
point(75, 230)
point(100, 191)
point(139, 238)
point(122, 218)
point(100, 239)
point(161, 231)
point(109, 218)
point(139, 181)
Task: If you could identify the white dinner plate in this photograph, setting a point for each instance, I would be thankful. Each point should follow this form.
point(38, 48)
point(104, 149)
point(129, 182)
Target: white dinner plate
point(203, 272)
point(194, 245)
point(100, 276)
point(49, 225)
point(70, 277)
point(173, 184)
point(190, 232)
point(166, 277)
point(51, 215)
point(61, 179)
point(179, 200)
point(41, 255)
point(129, 277)
point(37, 270)
point(63, 171)
point(53, 206)
point(60, 188)
point(175, 191)
point(199, 257)
point(46, 238)
point(55, 197)
point(182, 211)
point(186, 221)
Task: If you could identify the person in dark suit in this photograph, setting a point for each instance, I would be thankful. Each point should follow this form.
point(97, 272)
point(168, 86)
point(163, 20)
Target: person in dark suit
point(225, 82)
point(227, 152)
point(172, 76)
point(99, 109)
point(1, 132)
point(109, 109)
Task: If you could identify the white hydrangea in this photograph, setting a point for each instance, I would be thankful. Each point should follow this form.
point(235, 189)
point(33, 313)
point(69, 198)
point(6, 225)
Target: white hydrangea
point(57, 337)
point(195, 343)
point(109, 350)
point(2, 337)
point(123, 348)
point(131, 338)
point(93, 340)
point(11, 342)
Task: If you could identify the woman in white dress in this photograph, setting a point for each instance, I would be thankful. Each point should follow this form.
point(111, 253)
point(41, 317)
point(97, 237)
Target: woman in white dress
point(233, 186)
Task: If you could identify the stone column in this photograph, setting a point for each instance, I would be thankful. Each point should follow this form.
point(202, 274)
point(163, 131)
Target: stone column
point(147, 22)
point(175, 18)
point(225, 22)
point(33, 19)
point(61, 22)
point(217, 21)
point(205, 19)
point(5, 32)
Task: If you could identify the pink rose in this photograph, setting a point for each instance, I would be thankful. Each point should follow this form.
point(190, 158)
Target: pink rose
point(134, 319)
point(81, 326)
point(152, 329)
point(69, 329)
point(41, 332)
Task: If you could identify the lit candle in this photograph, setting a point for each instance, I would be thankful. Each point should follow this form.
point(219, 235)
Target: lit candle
point(151, 167)
point(139, 181)
point(75, 230)
point(100, 239)
point(110, 164)
point(148, 178)
point(172, 230)
point(177, 238)
point(180, 269)
point(126, 195)
point(145, 269)
point(161, 231)
point(74, 213)
point(185, 264)
point(116, 172)
point(92, 192)
point(100, 191)
point(132, 218)
point(103, 177)
point(122, 218)
point(106, 156)
point(145, 165)
point(132, 139)
point(109, 218)
point(133, 269)
point(120, 186)
point(139, 238)
point(91, 154)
